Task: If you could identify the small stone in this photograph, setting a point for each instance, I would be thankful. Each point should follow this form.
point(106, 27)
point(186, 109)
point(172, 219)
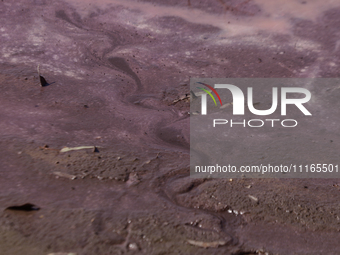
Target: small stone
point(133, 246)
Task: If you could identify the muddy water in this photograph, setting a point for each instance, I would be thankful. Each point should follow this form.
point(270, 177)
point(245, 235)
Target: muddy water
point(117, 70)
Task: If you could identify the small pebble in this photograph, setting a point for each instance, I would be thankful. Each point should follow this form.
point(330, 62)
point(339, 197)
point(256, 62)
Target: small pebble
point(133, 246)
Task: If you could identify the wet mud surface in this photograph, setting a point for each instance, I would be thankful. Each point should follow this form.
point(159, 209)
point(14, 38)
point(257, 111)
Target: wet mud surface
point(118, 79)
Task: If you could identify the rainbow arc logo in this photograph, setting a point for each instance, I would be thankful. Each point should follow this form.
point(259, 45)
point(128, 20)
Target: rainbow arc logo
point(208, 92)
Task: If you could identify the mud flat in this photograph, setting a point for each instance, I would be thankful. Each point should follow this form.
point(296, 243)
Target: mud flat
point(117, 76)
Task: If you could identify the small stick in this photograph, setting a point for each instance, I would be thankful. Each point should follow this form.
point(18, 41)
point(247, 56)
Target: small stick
point(43, 82)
